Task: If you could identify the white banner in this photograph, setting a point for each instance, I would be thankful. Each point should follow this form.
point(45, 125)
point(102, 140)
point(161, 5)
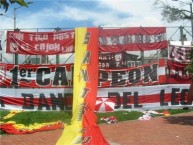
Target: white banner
point(144, 97)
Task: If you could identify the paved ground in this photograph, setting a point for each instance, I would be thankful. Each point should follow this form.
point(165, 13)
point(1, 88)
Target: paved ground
point(172, 130)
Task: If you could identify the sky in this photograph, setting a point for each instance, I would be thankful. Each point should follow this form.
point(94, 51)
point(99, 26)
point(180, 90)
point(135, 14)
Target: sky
point(51, 14)
point(80, 13)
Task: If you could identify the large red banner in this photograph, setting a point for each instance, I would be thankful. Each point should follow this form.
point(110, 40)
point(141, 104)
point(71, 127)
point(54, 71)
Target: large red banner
point(149, 74)
point(36, 76)
point(60, 76)
point(132, 39)
point(40, 43)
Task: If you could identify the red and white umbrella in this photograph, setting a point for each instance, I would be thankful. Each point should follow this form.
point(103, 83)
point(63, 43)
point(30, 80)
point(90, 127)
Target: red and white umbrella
point(104, 105)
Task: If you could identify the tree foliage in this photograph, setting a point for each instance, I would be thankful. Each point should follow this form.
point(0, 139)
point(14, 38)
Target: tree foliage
point(5, 3)
point(172, 13)
point(190, 66)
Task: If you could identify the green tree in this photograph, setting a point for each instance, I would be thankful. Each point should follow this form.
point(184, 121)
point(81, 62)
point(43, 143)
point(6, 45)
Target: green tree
point(190, 69)
point(190, 66)
point(5, 3)
point(172, 14)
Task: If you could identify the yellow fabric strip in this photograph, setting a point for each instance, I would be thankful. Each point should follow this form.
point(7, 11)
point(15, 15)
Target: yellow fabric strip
point(73, 133)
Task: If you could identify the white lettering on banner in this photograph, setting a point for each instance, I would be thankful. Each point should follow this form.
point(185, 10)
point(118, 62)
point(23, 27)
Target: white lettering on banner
point(42, 47)
point(62, 36)
point(68, 49)
point(38, 37)
point(108, 57)
point(129, 39)
point(46, 47)
point(40, 43)
point(114, 60)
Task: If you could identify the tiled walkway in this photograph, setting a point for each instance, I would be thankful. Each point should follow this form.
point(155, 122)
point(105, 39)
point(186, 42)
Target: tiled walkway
point(172, 130)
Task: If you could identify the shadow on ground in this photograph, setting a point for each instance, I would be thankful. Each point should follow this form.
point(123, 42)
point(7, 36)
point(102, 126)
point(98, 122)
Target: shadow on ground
point(182, 120)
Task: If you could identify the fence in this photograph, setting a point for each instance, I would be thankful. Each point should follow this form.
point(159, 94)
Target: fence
point(173, 33)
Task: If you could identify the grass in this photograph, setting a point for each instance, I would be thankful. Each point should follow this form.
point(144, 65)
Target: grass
point(177, 111)
point(120, 115)
point(32, 117)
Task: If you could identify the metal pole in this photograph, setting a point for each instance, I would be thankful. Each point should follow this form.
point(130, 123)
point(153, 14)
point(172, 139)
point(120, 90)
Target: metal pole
point(57, 55)
point(181, 35)
point(15, 27)
point(14, 18)
point(191, 18)
point(191, 15)
point(142, 56)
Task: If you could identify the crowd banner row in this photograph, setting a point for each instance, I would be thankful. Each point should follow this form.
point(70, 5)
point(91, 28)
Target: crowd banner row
point(139, 97)
point(50, 87)
point(109, 40)
point(77, 86)
point(61, 76)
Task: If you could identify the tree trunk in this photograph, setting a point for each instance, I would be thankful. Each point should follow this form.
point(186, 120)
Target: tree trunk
point(190, 92)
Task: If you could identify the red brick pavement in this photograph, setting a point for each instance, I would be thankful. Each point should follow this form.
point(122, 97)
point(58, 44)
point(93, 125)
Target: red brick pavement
point(172, 130)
